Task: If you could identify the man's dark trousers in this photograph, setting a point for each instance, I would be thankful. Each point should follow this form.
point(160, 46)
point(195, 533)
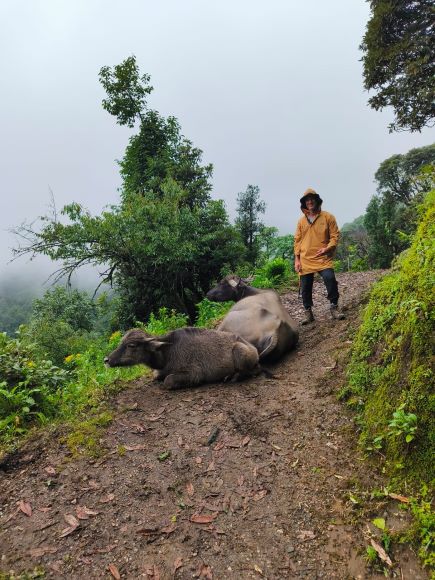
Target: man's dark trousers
point(328, 276)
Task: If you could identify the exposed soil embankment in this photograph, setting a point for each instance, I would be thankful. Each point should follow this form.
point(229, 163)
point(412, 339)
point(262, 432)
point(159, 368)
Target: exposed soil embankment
point(245, 480)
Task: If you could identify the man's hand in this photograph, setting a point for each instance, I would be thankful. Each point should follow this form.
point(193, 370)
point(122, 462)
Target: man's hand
point(321, 252)
point(297, 265)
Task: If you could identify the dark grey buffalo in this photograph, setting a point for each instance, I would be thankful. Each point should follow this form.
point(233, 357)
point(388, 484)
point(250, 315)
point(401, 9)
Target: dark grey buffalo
point(258, 316)
point(188, 356)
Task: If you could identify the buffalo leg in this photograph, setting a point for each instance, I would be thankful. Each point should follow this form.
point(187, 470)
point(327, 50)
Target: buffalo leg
point(178, 380)
point(245, 359)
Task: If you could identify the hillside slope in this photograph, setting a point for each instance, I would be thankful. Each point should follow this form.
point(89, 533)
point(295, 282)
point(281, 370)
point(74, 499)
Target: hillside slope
point(259, 479)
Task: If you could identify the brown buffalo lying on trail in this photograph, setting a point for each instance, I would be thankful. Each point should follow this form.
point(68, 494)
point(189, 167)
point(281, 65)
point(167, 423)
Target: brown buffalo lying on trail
point(258, 316)
point(188, 356)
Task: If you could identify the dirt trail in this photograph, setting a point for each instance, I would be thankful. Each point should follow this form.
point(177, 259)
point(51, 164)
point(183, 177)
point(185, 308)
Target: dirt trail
point(253, 479)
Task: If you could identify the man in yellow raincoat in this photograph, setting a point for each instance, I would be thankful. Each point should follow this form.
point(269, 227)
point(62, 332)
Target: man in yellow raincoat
point(316, 239)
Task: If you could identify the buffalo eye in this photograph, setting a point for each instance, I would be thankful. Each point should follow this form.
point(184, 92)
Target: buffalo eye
point(131, 345)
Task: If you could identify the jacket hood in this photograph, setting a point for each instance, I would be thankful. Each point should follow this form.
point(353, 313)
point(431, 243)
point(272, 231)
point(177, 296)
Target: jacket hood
point(308, 192)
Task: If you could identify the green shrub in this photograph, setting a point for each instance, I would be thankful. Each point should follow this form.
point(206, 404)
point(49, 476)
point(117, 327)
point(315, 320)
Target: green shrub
point(166, 321)
point(275, 273)
point(210, 312)
point(28, 387)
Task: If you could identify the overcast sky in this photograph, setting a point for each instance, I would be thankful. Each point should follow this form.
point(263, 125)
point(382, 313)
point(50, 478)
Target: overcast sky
point(271, 91)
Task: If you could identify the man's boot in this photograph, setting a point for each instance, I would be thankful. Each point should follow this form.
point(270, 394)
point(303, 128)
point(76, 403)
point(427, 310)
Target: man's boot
point(336, 314)
point(308, 317)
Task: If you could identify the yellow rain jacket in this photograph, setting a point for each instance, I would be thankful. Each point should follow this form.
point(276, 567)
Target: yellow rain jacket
point(309, 238)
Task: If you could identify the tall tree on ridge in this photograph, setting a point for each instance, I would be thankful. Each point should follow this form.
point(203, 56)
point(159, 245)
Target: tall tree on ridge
point(248, 222)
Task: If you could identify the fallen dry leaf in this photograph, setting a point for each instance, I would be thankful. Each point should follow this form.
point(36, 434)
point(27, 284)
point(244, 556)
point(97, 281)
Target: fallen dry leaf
point(240, 480)
point(211, 467)
point(153, 572)
point(110, 497)
point(190, 489)
point(220, 445)
point(50, 470)
point(381, 553)
point(198, 460)
point(71, 520)
point(11, 516)
point(73, 525)
point(260, 494)
point(105, 550)
point(246, 440)
point(203, 519)
point(258, 569)
point(25, 507)
point(401, 498)
point(135, 447)
point(305, 535)
point(169, 529)
point(83, 512)
point(114, 571)
point(42, 550)
point(205, 572)
point(44, 509)
point(177, 564)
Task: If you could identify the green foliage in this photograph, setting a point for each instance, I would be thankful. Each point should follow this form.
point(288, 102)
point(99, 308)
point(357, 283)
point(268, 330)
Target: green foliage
point(402, 178)
point(403, 423)
point(383, 220)
point(158, 153)
point(28, 387)
point(74, 307)
point(423, 530)
point(371, 555)
point(165, 322)
point(15, 304)
point(126, 91)
point(275, 273)
point(351, 255)
point(399, 61)
point(248, 223)
point(210, 312)
point(33, 390)
point(391, 364)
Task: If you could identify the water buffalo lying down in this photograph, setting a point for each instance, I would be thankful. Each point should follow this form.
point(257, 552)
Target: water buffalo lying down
point(188, 356)
point(258, 316)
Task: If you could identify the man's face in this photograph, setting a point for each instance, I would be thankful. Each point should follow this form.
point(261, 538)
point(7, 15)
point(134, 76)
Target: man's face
point(310, 203)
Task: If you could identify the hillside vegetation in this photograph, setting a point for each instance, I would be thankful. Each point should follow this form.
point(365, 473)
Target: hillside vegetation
point(390, 376)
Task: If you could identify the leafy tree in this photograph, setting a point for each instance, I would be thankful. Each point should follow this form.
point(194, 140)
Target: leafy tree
point(74, 307)
point(399, 177)
point(383, 220)
point(248, 223)
point(399, 61)
point(166, 241)
point(353, 247)
point(158, 153)
point(15, 308)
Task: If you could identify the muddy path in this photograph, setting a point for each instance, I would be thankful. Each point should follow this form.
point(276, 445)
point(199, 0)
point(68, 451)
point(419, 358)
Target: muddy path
point(245, 480)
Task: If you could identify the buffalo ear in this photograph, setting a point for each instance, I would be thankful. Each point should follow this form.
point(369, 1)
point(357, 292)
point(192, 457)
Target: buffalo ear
point(154, 344)
point(247, 280)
